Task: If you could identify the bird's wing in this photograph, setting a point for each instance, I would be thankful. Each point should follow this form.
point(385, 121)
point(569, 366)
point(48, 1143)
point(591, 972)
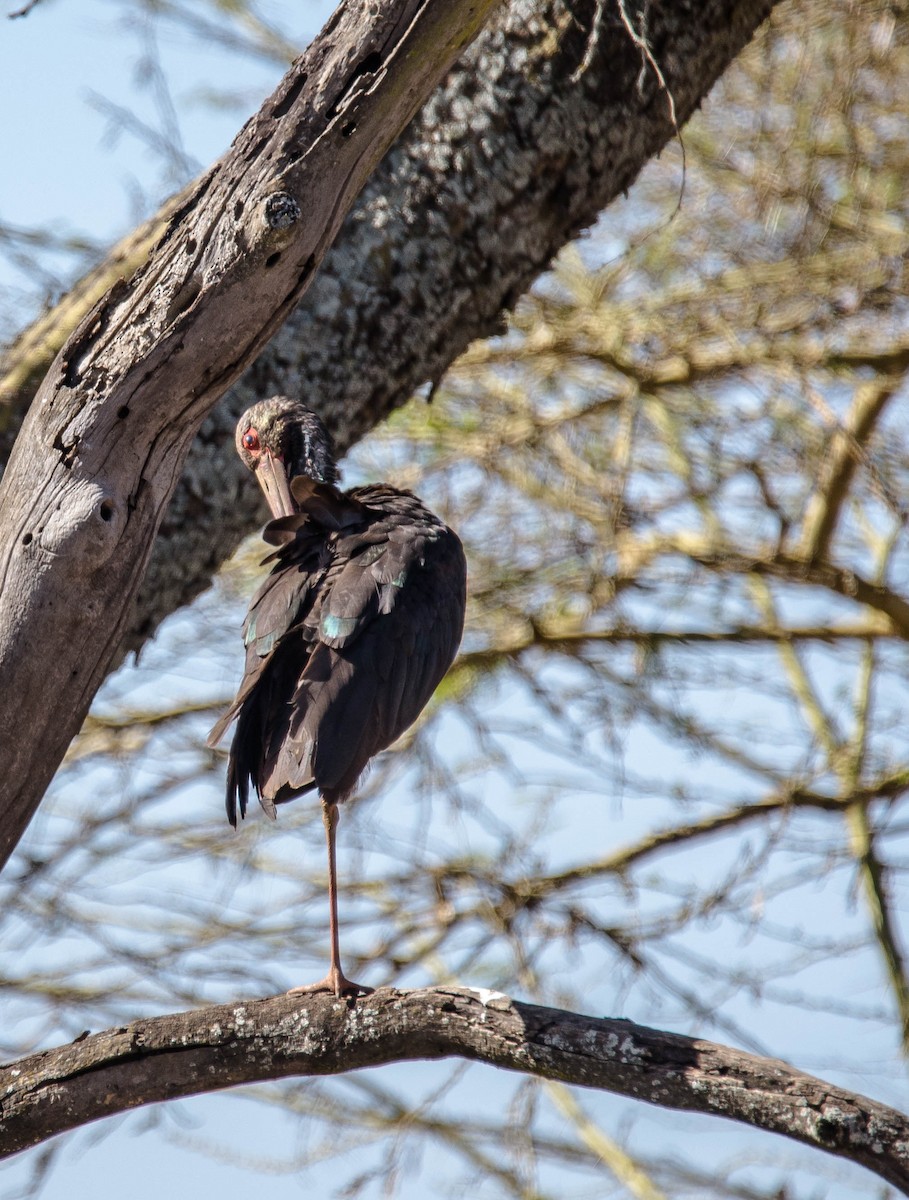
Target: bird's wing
point(305, 553)
point(307, 544)
point(346, 641)
point(285, 597)
point(386, 626)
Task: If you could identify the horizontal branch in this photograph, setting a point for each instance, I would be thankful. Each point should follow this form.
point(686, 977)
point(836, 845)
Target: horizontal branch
point(525, 892)
point(188, 1053)
point(841, 580)
point(637, 553)
point(576, 640)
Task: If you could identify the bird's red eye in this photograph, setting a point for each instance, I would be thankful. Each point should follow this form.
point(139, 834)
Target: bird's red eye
point(250, 440)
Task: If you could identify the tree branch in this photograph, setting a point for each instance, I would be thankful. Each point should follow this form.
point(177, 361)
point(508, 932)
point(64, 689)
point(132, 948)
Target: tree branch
point(189, 1053)
point(845, 455)
point(510, 160)
point(525, 892)
point(789, 568)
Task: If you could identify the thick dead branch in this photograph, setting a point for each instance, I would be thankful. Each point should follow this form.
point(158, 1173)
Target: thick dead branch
point(212, 1048)
point(104, 442)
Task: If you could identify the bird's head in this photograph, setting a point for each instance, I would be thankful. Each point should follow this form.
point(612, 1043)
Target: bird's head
point(280, 439)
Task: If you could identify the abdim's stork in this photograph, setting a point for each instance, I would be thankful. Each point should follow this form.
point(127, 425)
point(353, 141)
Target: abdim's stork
point(348, 636)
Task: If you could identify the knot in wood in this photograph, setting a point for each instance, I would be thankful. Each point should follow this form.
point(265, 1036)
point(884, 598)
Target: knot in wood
point(281, 211)
point(84, 523)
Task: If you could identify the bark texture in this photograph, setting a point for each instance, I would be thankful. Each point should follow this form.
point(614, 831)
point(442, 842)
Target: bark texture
point(106, 437)
point(188, 1053)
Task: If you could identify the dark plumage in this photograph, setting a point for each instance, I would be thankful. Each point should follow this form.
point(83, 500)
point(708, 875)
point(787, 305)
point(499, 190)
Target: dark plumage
point(349, 635)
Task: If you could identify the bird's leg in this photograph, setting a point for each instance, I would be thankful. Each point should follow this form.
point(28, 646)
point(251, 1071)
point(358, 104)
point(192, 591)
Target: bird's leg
point(335, 981)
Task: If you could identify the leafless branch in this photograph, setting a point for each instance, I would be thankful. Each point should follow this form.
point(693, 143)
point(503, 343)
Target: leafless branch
point(188, 1053)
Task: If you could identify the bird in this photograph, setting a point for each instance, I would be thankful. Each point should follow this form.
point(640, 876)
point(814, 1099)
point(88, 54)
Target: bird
point(346, 639)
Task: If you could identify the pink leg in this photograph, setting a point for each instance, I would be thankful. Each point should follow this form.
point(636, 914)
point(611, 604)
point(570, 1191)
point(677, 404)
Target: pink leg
point(335, 981)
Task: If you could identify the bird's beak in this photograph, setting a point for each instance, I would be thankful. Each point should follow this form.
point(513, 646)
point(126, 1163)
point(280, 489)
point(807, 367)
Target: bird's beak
point(272, 478)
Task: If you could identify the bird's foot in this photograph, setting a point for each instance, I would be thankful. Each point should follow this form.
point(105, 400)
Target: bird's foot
point(335, 981)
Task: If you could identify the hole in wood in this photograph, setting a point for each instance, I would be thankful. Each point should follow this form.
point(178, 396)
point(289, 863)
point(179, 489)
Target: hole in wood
point(106, 510)
point(284, 105)
point(367, 66)
point(26, 539)
point(272, 259)
point(123, 412)
point(191, 246)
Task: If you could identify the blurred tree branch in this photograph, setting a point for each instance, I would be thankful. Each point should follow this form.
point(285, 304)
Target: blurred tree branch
point(188, 1053)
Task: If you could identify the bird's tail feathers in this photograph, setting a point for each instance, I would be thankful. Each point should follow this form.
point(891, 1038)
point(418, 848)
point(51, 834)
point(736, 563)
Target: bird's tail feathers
point(221, 726)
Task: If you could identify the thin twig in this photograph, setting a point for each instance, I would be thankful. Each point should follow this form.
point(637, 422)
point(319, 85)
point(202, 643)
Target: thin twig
point(24, 10)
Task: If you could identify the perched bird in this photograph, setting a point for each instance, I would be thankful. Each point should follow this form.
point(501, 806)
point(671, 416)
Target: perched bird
point(347, 638)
